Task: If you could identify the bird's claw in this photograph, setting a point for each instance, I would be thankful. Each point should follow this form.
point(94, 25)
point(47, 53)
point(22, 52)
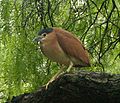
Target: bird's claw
point(47, 85)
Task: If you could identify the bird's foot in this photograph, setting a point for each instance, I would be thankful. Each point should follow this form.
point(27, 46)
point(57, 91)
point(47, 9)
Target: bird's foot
point(54, 77)
point(69, 68)
point(46, 86)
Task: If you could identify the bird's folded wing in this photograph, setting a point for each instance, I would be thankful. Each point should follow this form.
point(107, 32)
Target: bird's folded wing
point(72, 46)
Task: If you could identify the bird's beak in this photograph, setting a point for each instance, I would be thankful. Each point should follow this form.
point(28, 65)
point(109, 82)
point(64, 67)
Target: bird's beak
point(37, 39)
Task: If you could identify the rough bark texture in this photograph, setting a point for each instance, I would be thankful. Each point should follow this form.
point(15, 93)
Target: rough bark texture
point(83, 87)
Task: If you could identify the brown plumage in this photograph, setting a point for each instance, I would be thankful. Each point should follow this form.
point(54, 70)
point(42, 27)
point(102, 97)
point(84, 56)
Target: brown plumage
point(73, 48)
point(62, 47)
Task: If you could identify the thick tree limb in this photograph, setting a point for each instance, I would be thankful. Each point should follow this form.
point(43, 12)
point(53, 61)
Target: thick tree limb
point(83, 87)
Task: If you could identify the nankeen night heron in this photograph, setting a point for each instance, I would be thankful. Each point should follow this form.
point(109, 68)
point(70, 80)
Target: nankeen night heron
point(62, 47)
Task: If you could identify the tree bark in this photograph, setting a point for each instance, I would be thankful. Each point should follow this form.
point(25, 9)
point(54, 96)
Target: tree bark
point(82, 87)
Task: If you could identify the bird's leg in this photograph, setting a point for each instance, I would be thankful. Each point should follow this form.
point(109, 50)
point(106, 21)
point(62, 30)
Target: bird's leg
point(58, 73)
point(55, 76)
point(70, 66)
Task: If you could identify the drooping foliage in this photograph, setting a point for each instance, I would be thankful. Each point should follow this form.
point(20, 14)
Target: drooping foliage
point(23, 68)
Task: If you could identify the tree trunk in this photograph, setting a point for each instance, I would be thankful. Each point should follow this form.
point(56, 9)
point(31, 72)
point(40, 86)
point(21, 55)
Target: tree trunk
point(83, 87)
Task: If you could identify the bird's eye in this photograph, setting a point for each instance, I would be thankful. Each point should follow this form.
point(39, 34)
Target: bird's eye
point(44, 34)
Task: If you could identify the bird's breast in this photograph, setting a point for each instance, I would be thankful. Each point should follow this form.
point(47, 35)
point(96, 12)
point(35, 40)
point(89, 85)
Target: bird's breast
point(54, 52)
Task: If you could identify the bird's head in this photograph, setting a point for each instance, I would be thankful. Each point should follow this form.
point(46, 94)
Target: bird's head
point(42, 34)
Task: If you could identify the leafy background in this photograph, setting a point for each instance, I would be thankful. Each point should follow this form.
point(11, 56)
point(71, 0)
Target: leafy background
point(24, 69)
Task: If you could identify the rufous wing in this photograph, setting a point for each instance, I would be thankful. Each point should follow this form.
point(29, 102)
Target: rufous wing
point(72, 47)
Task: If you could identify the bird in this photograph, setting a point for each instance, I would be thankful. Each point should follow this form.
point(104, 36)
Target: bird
point(62, 47)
